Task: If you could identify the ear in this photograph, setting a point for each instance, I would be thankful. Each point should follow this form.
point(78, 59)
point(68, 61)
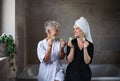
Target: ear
point(48, 31)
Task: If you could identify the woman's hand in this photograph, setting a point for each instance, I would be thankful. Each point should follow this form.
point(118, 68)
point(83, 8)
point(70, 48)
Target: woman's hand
point(50, 40)
point(70, 42)
point(86, 44)
point(62, 53)
point(70, 56)
point(48, 52)
point(87, 58)
point(63, 43)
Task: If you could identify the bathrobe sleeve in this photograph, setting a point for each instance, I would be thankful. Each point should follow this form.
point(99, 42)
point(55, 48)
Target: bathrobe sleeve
point(41, 51)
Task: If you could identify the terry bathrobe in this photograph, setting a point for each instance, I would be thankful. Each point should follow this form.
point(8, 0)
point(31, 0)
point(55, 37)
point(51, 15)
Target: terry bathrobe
point(52, 70)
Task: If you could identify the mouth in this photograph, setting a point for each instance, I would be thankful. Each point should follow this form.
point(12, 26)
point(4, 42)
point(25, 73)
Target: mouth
point(75, 33)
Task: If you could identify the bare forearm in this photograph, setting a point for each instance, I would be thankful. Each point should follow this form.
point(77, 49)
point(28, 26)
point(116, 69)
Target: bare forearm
point(71, 55)
point(86, 56)
point(62, 53)
point(48, 54)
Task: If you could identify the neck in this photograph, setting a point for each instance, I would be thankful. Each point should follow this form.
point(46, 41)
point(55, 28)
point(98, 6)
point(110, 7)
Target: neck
point(80, 39)
point(48, 36)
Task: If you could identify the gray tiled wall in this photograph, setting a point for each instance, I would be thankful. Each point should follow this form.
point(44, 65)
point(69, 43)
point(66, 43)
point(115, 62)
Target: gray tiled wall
point(0, 14)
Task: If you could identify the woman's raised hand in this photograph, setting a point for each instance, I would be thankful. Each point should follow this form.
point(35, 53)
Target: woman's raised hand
point(86, 44)
point(50, 40)
point(70, 42)
point(63, 43)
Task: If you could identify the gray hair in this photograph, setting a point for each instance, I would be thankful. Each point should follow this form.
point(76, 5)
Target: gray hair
point(51, 24)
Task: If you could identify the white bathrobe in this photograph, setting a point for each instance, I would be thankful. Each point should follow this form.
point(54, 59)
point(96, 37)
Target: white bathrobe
point(51, 70)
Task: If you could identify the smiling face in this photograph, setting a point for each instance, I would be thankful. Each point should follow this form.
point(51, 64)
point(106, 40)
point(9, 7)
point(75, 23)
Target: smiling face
point(53, 31)
point(78, 33)
point(51, 28)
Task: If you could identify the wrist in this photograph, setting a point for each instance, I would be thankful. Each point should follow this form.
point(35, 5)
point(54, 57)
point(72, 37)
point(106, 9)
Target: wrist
point(62, 48)
point(71, 46)
point(50, 45)
point(85, 47)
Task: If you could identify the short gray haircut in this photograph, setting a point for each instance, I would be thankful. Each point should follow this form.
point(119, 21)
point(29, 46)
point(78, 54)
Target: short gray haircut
point(50, 24)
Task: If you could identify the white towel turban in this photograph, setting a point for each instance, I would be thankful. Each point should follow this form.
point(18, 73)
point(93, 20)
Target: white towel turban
point(84, 26)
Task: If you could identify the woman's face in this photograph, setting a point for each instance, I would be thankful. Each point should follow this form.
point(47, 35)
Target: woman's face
point(54, 31)
point(78, 32)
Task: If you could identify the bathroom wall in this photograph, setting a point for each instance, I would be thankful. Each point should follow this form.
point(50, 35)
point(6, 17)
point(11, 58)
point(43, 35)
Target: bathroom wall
point(0, 14)
point(20, 33)
point(103, 17)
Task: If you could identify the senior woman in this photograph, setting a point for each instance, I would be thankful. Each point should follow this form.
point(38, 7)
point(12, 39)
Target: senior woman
point(50, 51)
point(80, 53)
